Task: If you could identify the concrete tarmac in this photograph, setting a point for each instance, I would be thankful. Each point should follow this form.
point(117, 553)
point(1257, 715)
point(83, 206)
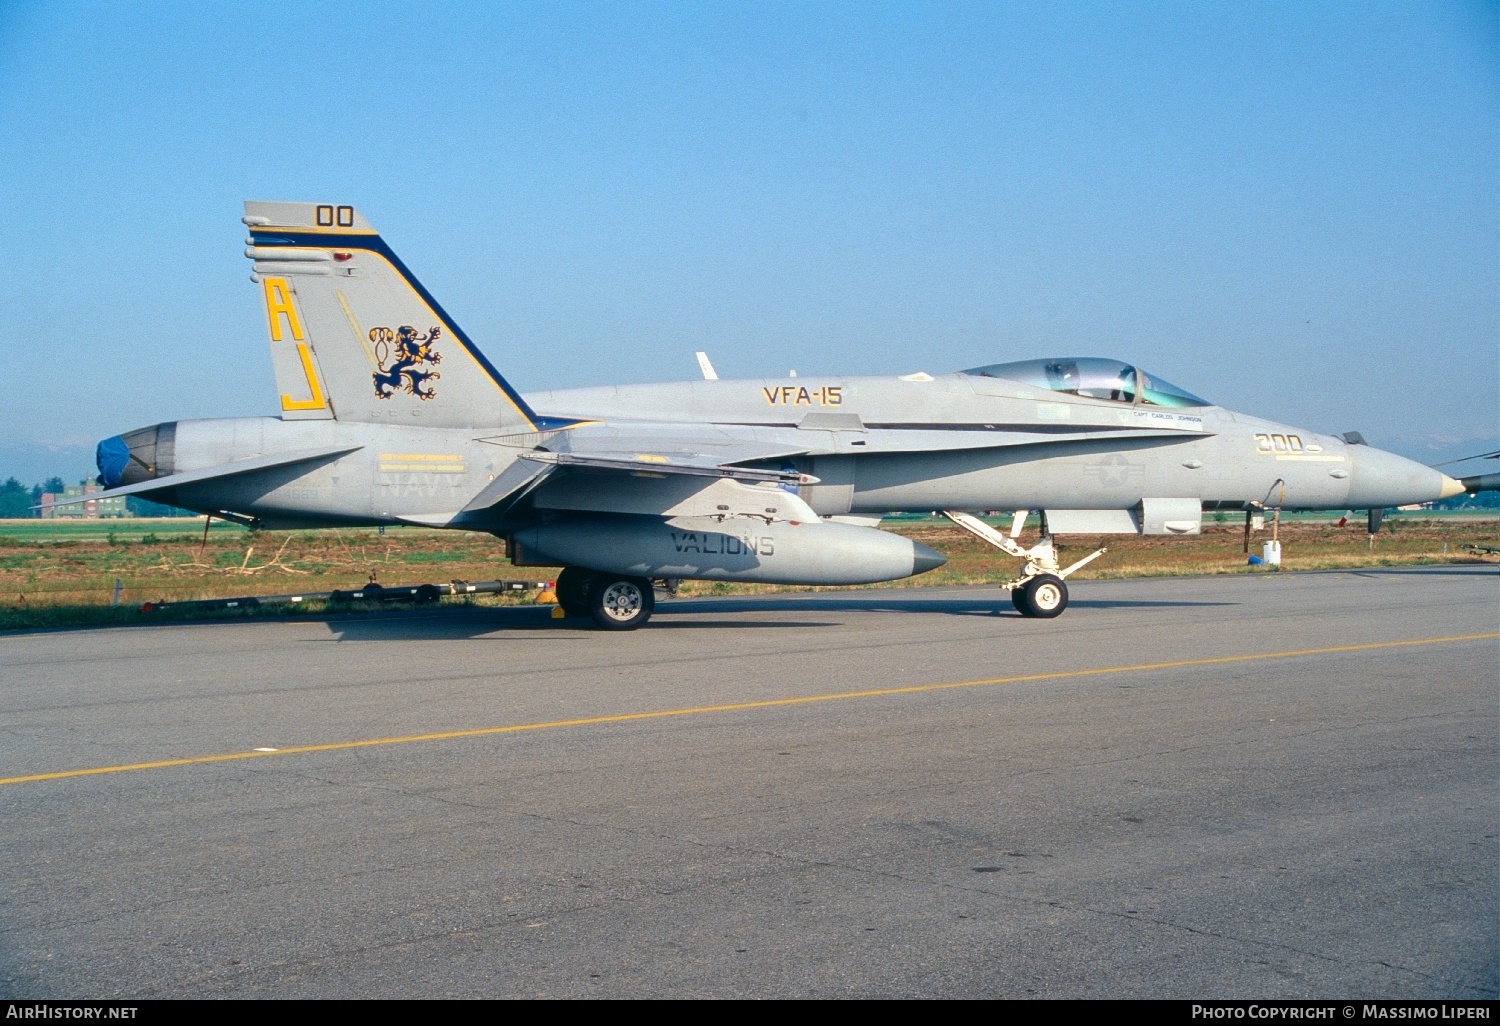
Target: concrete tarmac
point(1182, 788)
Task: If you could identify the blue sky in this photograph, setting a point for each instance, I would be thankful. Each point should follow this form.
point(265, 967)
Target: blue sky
point(1291, 209)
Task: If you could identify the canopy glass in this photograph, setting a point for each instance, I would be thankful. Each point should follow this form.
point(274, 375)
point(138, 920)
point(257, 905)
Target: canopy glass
point(1092, 377)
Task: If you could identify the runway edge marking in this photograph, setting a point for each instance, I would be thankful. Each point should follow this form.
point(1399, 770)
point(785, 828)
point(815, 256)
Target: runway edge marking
point(768, 703)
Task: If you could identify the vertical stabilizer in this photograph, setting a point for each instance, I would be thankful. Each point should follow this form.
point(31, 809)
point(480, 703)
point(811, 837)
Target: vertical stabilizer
point(355, 336)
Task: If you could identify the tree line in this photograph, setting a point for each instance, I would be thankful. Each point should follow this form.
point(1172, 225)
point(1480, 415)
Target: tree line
point(16, 501)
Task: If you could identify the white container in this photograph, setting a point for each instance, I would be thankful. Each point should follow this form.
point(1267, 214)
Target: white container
point(1273, 553)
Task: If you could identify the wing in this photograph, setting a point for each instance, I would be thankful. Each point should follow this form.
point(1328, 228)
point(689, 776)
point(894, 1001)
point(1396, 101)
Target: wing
point(669, 479)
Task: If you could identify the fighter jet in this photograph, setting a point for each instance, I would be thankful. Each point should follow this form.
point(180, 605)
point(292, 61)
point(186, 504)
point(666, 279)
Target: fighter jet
point(391, 414)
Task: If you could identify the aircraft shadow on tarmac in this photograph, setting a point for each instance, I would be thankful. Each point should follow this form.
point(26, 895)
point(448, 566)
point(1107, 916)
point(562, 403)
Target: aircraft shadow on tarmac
point(515, 624)
point(536, 622)
point(978, 606)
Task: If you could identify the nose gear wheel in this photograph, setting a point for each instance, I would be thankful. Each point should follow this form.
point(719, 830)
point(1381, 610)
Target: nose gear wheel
point(1043, 596)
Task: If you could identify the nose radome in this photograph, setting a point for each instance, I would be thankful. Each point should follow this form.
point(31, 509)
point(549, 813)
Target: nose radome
point(1381, 479)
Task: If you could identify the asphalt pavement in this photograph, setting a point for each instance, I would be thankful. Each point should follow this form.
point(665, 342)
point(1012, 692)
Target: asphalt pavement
point(1282, 785)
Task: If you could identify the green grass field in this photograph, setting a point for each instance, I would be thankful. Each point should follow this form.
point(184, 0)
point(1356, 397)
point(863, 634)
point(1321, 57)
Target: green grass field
point(56, 573)
point(52, 532)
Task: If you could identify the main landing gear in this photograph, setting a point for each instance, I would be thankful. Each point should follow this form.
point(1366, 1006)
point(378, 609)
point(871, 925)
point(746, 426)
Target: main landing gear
point(1040, 591)
point(573, 590)
point(613, 601)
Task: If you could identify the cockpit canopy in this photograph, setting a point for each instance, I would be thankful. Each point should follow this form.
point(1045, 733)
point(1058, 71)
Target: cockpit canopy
point(1092, 377)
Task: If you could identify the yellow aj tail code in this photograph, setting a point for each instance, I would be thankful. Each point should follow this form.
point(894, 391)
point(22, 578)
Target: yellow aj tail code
point(279, 305)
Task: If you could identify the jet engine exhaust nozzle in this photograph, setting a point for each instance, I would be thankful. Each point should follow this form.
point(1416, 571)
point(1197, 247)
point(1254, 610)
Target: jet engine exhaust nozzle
point(136, 456)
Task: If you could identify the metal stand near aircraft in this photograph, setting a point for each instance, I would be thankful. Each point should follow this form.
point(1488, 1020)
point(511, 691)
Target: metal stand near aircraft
point(390, 414)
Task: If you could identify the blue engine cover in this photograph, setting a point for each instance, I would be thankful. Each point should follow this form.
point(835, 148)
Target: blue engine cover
point(112, 457)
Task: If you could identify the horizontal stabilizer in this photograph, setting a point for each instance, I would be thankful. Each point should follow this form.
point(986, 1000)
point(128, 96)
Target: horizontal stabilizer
point(223, 470)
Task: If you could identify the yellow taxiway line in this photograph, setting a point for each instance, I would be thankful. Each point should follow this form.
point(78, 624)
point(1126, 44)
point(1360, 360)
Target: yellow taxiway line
point(770, 703)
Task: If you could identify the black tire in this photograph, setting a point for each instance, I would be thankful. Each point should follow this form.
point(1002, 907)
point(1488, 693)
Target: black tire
point(621, 603)
point(1046, 596)
point(1018, 599)
point(572, 592)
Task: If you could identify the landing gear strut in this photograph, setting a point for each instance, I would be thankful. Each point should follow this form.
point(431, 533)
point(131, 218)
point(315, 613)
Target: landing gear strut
point(1040, 590)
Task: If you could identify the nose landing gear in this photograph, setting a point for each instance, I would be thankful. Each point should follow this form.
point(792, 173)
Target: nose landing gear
point(1043, 596)
point(1040, 591)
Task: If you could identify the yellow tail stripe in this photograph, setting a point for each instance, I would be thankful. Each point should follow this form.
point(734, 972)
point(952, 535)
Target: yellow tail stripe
point(317, 402)
point(769, 703)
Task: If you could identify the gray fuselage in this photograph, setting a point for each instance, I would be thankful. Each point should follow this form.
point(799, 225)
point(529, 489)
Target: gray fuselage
point(875, 444)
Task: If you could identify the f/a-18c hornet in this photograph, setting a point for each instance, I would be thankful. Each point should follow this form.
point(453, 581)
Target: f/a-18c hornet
point(391, 414)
